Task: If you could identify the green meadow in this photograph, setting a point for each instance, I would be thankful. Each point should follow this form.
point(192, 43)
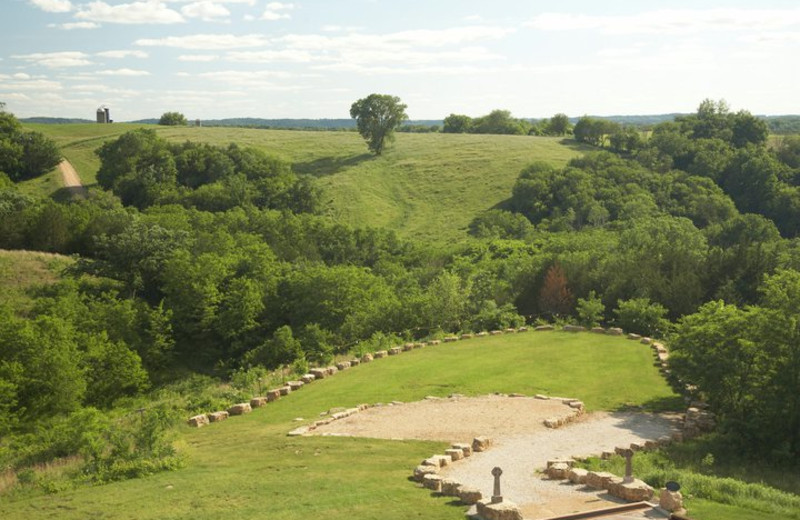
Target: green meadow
point(429, 186)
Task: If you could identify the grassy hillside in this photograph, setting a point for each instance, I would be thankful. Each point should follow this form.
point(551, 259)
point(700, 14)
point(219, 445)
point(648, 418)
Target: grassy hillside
point(426, 185)
point(21, 270)
point(247, 468)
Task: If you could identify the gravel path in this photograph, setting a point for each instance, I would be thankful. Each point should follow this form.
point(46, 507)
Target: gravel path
point(522, 445)
point(521, 455)
point(72, 180)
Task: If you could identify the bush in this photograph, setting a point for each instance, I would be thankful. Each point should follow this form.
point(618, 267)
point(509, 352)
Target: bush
point(590, 310)
point(642, 316)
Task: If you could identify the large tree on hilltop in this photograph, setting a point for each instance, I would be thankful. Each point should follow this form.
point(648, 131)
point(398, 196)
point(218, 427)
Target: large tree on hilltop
point(377, 117)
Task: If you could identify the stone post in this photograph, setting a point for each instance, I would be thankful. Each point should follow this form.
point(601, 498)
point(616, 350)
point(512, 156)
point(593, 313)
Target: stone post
point(496, 496)
point(628, 454)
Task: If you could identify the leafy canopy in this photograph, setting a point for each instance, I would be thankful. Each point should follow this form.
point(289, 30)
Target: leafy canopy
point(377, 116)
point(172, 119)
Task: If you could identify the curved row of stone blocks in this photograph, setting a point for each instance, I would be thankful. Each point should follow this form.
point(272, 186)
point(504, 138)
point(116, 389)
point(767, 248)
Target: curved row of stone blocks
point(321, 373)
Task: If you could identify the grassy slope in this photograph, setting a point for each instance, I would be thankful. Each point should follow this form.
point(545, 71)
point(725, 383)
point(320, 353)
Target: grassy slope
point(20, 270)
point(429, 186)
point(247, 468)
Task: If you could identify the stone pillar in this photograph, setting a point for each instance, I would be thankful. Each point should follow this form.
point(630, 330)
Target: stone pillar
point(628, 454)
point(497, 497)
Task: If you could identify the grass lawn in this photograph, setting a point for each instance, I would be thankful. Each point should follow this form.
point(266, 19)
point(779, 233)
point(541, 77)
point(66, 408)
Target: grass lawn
point(247, 468)
point(429, 186)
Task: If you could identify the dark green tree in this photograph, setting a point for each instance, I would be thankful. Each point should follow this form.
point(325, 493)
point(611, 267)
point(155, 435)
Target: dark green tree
point(457, 124)
point(377, 117)
point(172, 119)
point(558, 125)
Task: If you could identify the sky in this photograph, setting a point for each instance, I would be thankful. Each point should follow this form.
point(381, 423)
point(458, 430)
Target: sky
point(212, 59)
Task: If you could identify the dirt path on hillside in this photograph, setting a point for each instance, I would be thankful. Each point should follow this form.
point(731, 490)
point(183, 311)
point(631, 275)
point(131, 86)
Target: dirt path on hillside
point(72, 181)
point(522, 444)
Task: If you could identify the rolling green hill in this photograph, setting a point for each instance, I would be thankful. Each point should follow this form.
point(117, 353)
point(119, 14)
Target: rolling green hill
point(429, 186)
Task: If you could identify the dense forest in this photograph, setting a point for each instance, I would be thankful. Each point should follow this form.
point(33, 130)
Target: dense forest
point(218, 260)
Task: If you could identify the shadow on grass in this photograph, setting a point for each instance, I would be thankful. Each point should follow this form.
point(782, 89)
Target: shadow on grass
point(70, 194)
point(572, 144)
point(329, 165)
point(672, 403)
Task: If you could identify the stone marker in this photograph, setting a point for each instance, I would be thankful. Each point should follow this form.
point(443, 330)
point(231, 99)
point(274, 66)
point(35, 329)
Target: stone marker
point(343, 365)
point(285, 390)
point(421, 471)
point(614, 331)
point(295, 385)
point(355, 362)
point(394, 351)
point(542, 328)
point(258, 402)
point(481, 443)
point(366, 358)
point(465, 448)
point(273, 395)
point(198, 421)
point(628, 454)
point(450, 487)
point(501, 511)
point(497, 497)
point(577, 475)
point(469, 495)
point(308, 378)
point(319, 373)
point(671, 501)
point(239, 409)
point(455, 454)
point(218, 416)
point(432, 481)
point(380, 354)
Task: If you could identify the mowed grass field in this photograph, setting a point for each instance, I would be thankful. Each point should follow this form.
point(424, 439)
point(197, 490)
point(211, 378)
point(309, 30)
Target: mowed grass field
point(247, 468)
point(429, 186)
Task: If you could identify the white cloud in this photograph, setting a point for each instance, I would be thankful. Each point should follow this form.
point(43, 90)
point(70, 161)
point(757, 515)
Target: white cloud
point(149, 12)
point(123, 54)
point(69, 26)
point(198, 57)
point(206, 41)
point(670, 21)
point(21, 75)
point(206, 11)
point(53, 6)
point(259, 79)
point(43, 85)
point(274, 11)
point(123, 72)
point(269, 56)
point(272, 16)
point(56, 59)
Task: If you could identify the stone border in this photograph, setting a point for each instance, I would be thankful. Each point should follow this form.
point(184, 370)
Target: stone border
point(577, 409)
point(200, 420)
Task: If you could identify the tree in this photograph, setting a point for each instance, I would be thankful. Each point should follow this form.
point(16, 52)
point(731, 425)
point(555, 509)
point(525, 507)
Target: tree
point(641, 316)
point(590, 310)
point(377, 116)
point(555, 298)
point(456, 124)
point(172, 119)
point(558, 125)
